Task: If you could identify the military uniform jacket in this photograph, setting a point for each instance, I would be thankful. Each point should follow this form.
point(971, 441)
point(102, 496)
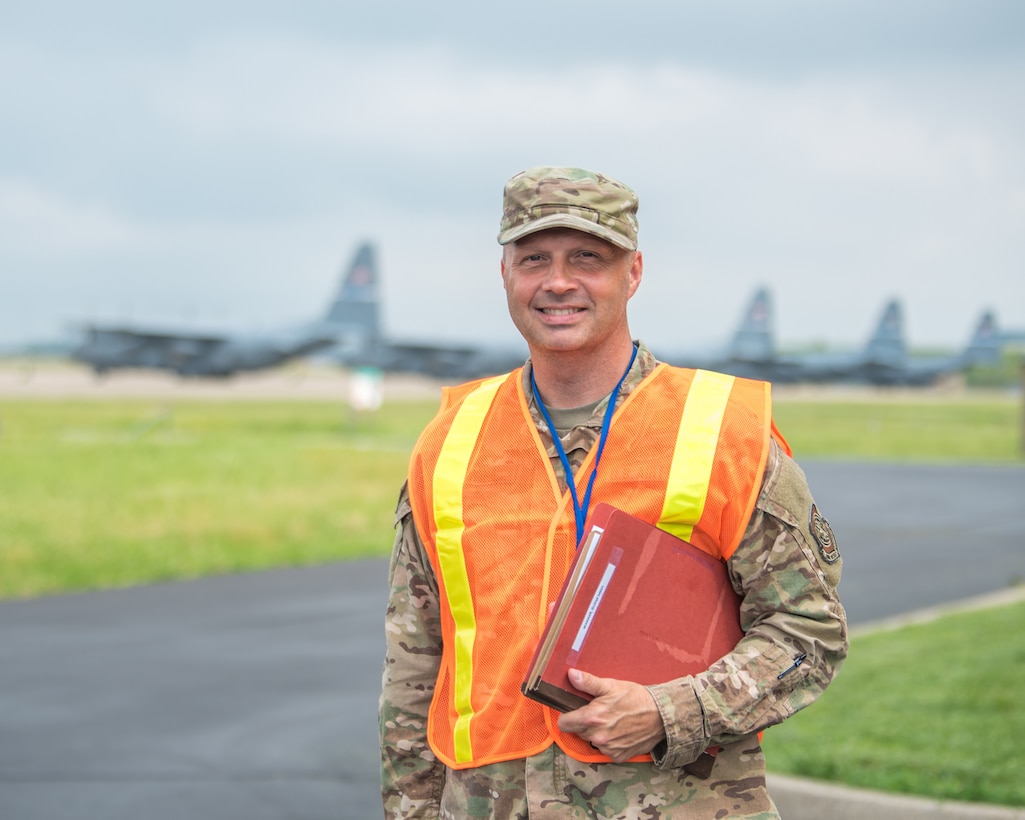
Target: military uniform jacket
point(787, 578)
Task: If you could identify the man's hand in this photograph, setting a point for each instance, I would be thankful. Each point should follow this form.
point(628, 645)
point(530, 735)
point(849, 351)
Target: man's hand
point(622, 721)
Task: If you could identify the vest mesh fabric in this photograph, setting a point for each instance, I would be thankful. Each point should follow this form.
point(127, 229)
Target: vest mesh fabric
point(516, 537)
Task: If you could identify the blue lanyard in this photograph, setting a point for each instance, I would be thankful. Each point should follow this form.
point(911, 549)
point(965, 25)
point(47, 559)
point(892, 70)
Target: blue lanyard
point(580, 511)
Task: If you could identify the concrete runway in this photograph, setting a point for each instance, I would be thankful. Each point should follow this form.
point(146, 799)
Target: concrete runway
point(254, 696)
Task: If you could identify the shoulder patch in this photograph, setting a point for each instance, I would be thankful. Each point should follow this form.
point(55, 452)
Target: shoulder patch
point(823, 535)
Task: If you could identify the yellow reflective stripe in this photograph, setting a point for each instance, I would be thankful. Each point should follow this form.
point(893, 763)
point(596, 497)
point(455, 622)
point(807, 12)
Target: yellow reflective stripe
point(696, 441)
point(449, 476)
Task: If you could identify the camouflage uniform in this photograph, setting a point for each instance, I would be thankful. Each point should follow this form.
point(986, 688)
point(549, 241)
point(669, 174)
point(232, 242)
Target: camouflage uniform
point(786, 569)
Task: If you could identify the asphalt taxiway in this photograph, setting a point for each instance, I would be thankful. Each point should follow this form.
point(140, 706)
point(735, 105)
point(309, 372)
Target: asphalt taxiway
point(254, 696)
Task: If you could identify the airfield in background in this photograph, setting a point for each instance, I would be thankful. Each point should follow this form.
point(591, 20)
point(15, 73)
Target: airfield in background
point(301, 380)
point(350, 334)
point(296, 380)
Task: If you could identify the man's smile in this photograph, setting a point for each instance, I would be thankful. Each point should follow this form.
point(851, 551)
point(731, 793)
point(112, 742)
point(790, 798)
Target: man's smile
point(560, 311)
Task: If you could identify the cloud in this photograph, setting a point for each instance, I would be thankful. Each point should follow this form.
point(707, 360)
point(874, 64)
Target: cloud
point(221, 161)
point(426, 103)
point(44, 223)
point(857, 134)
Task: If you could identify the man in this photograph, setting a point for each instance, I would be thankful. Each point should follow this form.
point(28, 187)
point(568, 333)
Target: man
point(488, 524)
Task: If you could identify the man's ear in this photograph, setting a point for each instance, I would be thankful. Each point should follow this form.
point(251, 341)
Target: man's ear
point(636, 272)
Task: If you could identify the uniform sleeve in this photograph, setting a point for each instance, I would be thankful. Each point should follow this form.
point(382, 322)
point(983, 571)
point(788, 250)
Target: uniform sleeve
point(411, 777)
point(786, 569)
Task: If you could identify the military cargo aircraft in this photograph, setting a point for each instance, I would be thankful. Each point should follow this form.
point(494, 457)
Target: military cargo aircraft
point(112, 347)
point(885, 350)
point(886, 360)
point(751, 351)
point(984, 347)
point(363, 342)
point(351, 334)
point(883, 360)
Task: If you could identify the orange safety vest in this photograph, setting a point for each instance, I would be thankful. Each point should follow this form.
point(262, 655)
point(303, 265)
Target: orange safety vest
point(686, 450)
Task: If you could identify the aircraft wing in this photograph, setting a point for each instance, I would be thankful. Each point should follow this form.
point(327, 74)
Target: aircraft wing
point(110, 347)
point(432, 359)
point(218, 354)
point(141, 335)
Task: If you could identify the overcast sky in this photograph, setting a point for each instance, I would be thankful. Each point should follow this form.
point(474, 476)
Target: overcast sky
point(216, 163)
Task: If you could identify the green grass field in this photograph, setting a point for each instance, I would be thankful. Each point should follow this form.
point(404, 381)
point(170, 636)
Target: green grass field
point(97, 494)
point(102, 494)
point(932, 709)
point(927, 429)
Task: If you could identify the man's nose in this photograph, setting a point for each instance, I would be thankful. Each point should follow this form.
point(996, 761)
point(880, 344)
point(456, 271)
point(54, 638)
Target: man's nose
point(560, 277)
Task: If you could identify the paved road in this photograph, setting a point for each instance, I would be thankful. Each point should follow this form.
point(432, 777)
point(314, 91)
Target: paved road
point(254, 696)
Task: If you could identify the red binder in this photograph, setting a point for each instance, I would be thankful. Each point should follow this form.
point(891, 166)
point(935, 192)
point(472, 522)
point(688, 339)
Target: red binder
point(638, 604)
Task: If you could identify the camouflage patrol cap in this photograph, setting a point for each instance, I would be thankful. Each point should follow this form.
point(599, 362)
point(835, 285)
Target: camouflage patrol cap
point(544, 197)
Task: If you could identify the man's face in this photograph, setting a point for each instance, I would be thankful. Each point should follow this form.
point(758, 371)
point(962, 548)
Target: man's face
point(568, 290)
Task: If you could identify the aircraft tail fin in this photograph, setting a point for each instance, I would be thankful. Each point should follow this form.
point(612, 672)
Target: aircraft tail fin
point(356, 310)
point(985, 346)
point(887, 344)
point(753, 341)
